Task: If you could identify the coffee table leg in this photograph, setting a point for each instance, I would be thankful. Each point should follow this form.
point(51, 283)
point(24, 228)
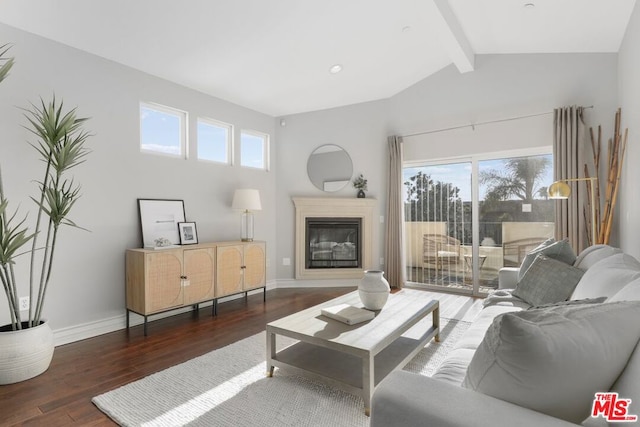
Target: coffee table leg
point(436, 321)
point(368, 381)
point(271, 351)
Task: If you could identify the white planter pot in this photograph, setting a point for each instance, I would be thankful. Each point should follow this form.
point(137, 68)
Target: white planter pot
point(25, 353)
point(374, 290)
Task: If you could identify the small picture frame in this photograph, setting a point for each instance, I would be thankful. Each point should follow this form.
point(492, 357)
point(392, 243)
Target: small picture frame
point(188, 233)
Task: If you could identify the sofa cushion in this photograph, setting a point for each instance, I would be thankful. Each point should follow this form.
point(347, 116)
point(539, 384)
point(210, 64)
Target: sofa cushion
point(607, 276)
point(547, 281)
point(454, 367)
point(593, 254)
point(572, 302)
point(553, 360)
point(630, 292)
point(560, 250)
point(627, 385)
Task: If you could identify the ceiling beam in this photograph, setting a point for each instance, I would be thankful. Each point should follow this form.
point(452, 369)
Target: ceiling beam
point(452, 37)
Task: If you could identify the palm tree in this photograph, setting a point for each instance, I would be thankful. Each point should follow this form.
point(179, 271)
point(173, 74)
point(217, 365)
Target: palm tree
point(520, 179)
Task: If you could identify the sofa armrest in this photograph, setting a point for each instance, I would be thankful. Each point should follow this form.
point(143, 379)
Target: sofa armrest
point(406, 399)
point(508, 277)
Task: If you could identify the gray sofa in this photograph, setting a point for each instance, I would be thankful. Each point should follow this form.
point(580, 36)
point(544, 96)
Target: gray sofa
point(405, 399)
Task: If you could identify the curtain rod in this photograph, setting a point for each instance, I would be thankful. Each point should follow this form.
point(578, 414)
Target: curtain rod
point(473, 125)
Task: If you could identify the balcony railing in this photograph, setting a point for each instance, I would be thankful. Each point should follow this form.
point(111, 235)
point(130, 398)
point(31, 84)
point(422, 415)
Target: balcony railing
point(514, 241)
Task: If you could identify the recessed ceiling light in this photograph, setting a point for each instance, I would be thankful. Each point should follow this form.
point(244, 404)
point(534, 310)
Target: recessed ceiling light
point(335, 69)
point(406, 28)
point(529, 5)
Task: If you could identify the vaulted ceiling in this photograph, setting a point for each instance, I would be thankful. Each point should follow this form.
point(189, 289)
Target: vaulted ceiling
point(275, 56)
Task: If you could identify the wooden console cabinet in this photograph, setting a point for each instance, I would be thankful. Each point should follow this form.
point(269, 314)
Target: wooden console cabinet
point(167, 279)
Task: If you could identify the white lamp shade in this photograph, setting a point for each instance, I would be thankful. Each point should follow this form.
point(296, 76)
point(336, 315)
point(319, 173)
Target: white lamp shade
point(246, 200)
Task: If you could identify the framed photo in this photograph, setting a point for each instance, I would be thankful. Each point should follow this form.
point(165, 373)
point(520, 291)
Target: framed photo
point(159, 220)
point(188, 233)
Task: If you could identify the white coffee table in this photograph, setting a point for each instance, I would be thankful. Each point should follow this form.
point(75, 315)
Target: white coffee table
point(357, 357)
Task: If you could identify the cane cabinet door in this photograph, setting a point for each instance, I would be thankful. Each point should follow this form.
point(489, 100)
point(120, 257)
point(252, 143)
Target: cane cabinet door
point(229, 271)
point(164, 280)
point(255, 268)
point(199, 275)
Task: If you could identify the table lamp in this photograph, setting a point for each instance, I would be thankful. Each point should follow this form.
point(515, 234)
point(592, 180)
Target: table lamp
point(247, 200)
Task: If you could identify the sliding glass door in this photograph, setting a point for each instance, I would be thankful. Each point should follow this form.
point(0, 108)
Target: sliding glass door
point(465, 220)
point(438, 224)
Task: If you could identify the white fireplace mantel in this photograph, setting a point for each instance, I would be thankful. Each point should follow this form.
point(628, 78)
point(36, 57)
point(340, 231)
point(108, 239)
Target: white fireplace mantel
point(328, 207)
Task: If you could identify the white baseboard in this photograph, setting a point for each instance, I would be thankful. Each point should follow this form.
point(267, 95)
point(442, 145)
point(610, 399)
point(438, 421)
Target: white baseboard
point(99, 327)
point(88, 330)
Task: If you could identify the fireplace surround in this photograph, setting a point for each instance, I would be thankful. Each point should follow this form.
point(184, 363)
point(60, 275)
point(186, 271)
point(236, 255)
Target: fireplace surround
point(339, 254)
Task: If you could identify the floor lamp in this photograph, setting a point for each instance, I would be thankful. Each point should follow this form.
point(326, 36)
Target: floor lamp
point(561, 190)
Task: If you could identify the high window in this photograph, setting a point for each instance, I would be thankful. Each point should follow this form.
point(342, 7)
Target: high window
point(254, 150)
point(214, 141)
point(163, 130)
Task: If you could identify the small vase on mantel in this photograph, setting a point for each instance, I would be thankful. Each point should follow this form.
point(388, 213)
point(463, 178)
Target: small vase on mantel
point(374, 290)
point(361, 194)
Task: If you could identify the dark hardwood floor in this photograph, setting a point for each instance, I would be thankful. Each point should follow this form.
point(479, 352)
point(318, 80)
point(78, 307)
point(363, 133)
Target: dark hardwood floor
point(81, 370)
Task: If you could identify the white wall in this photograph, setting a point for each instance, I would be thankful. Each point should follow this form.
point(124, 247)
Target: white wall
point(362, 131)
point(502, 87)
point(88, 277)
point(628, 92)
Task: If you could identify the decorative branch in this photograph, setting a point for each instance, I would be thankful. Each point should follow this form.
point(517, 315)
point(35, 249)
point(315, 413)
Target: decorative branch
point(616, 148)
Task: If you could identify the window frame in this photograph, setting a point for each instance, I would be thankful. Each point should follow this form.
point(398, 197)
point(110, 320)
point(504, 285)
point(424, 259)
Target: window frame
point(475, 161)
point(265, 148)
point(182, 115)
point(229, 142)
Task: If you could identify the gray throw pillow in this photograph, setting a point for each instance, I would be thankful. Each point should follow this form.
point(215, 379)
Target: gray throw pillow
point(547, 281)
point(553, 360)
point(560, 250)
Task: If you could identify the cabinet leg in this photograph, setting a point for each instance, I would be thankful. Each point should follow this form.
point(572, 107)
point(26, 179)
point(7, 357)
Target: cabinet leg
point(214, 307)
point(264, 294)
point(128, 319)
point(145, 326)
point(245, 296)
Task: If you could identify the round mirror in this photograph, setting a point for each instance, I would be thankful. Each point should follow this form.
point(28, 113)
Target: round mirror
point(329, 168)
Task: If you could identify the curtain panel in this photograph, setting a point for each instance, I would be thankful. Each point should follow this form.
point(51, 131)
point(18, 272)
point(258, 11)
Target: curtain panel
point(394, 236)
point(568, 148)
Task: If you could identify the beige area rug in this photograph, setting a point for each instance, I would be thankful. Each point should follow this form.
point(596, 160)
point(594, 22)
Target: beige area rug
point(228, 387)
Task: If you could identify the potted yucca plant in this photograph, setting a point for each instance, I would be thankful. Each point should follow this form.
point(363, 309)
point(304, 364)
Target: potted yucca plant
point(27, 342)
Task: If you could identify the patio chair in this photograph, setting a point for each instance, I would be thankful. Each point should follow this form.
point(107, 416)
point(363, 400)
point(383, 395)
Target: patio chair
point(441, 250)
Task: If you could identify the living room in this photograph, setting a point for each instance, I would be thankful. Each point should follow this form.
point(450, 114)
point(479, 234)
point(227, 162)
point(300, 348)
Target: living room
point(90, 266)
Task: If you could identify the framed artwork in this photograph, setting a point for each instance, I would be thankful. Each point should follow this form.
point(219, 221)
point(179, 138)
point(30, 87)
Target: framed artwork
point(188, 233)
point(159, 220)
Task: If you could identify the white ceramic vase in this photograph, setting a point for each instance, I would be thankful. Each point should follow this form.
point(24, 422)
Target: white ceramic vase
point(374, 290)
point(25, 353)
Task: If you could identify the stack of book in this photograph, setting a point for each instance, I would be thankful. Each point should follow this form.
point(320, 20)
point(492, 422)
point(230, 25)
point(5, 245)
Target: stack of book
point(348, 314)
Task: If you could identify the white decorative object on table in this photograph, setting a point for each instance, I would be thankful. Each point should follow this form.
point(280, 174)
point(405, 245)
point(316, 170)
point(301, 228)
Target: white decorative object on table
point(374, 290)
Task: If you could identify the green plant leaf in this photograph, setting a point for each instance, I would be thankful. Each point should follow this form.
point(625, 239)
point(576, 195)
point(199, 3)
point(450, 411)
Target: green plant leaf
point(12, 237)
point(7, 63)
